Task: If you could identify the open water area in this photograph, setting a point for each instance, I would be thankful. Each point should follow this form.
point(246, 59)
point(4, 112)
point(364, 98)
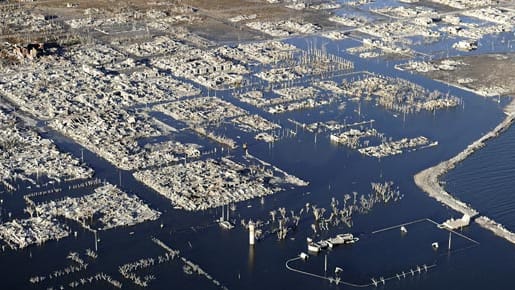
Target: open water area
point(485, 180)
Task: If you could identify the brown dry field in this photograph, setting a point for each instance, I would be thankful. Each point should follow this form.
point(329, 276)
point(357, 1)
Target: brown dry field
point(214, 25)
point(486, 71)
point(222, 9)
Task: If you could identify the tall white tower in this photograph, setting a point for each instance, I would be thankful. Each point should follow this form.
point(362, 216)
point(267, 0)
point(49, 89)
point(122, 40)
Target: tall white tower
point(251, 233)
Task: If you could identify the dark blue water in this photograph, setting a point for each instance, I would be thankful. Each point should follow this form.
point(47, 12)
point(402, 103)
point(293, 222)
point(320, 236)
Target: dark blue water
point(332, 171)
point(487, 179)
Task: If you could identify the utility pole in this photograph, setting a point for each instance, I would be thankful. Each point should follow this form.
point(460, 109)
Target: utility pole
point(325, 266)
point(96, 240)
point(449, 247)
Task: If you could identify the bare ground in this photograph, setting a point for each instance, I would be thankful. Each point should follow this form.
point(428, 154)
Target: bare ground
point(484, 71)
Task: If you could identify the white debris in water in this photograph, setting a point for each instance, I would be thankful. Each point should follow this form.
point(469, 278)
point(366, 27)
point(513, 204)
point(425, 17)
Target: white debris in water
point(114, 207)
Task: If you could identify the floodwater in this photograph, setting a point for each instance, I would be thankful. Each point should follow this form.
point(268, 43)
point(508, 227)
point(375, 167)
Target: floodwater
point(484, 180)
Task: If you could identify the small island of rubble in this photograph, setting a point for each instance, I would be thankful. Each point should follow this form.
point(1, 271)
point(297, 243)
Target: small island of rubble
point(204, 184)
point(28, 157)
point(106, 208)
point(114, 207)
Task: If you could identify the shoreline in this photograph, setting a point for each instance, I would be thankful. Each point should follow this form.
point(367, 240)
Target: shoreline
point(427, 179)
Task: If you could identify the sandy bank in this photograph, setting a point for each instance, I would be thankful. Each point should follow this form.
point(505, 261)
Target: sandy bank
point(427, 179)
